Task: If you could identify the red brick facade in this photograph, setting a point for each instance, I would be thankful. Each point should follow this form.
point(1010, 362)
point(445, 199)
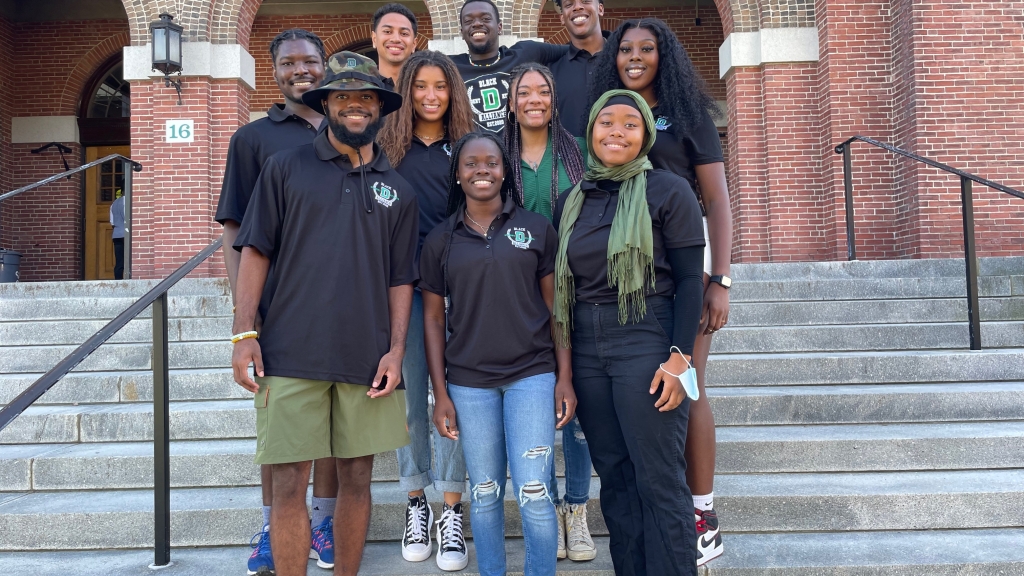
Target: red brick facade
point(936, 78)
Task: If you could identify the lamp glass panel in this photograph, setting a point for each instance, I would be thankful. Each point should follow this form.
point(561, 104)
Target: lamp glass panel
point(159, 45)
point(174, 47)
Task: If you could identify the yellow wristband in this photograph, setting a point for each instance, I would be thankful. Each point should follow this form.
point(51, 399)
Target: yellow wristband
point(243, 335)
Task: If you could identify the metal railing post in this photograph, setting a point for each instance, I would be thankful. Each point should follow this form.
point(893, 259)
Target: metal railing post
point(851, 239)
point(971, 257)
point(127, 169)
point(161, 437)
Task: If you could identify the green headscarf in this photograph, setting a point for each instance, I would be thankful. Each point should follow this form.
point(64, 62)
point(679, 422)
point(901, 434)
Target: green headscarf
point(631, 241)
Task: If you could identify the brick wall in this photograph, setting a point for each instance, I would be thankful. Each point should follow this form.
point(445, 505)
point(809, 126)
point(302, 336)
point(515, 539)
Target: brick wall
point(6, 101)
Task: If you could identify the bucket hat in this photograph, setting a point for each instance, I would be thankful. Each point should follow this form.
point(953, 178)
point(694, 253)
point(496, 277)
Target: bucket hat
point(351, 71)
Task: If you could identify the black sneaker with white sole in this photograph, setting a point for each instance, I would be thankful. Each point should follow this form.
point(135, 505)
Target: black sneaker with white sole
point(709, 538)
point(451, 552)
point(416, 545)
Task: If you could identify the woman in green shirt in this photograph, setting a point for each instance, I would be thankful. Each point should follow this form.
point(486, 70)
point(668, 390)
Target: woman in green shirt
point(545, 161)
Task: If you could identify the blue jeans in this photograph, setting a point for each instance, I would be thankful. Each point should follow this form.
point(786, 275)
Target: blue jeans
point(517, 419)
point(414, 470)
point(577, 466)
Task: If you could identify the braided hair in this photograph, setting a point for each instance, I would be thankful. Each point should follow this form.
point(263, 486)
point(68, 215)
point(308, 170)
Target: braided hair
point(296, 34)
point(681, 91)
point(563, 145)
point(457, 196)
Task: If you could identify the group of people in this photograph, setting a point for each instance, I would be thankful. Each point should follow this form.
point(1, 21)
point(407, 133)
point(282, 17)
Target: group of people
point(481, 231)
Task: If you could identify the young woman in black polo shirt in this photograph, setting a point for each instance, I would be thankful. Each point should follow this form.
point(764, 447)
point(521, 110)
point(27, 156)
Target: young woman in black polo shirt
point(645, 56)
point(628, 298)
point(494, 379)
point(417, 139)
point(546, 160)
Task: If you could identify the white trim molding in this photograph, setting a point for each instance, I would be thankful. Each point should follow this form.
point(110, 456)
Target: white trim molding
point(768, 45)
point(40, 129)
point(218, 61)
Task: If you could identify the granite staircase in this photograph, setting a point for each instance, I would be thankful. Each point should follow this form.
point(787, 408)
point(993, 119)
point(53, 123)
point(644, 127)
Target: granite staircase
point(857, 434)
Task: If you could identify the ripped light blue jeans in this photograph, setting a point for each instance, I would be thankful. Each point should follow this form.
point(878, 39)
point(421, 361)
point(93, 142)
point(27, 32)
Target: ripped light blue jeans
point(578, 467)
point(510, 426)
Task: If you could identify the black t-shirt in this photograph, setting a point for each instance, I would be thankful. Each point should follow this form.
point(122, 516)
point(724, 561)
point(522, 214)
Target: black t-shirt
point(500, 326)
point(681, 153)
point(676, 222)
point(428, 167)
point(250, 147)
point(488, 85)
point(325, 304)
point(573, 73)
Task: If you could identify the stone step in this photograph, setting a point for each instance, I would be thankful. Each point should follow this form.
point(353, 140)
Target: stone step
point(896, 367)
point(23, 359)
point(127, 386)
point(922, 336)
point(922, 268)
point(861, 312)
point(740, 450)
point(872, 289)
point(105, 309)
point(979, 552)
point(746, 503)
point(111, 288)
point(140, 330)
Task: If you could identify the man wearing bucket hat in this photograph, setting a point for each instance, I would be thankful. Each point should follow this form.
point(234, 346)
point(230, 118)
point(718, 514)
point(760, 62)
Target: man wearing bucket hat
point(328, 249)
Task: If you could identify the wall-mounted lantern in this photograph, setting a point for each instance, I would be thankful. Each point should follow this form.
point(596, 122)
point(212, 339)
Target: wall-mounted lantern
point(166, 39)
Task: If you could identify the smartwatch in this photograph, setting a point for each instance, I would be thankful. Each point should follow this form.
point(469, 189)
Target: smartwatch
point(722, 280)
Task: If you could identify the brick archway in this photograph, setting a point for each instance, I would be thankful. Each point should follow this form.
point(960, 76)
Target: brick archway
point(355, 34)
point(563, 36)
point(231, 21)
point(193, 15)
point(71, 93)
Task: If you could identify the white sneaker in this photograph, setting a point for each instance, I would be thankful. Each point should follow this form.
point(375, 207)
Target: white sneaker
point(451, 543)
point(416, 546)
point(580, 545)
point(560, 516)
point(709, 538)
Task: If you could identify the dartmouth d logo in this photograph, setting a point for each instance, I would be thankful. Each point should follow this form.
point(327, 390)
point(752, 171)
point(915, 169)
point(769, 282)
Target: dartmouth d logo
point(662, 124)
point(385, 195)
point(519, 237)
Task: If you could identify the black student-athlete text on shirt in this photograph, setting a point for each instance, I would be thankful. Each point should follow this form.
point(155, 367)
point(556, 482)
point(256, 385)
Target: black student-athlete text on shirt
point(676, 222)
point(681, 153)
point(250, 147)
point(428, 167)
point(573, 74)
point(325, 304)
point(488, 84)
point(500, 326)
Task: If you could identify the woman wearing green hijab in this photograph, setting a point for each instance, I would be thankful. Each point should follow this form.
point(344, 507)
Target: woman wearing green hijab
point(628, 290)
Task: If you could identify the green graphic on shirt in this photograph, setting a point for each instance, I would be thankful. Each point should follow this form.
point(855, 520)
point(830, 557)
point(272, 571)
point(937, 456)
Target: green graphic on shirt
point(491, 98)
point(488, 98)
point(519, 237)
point(384, 194)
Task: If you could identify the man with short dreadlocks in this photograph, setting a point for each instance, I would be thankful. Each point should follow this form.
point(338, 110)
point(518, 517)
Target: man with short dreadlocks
point(546, 160)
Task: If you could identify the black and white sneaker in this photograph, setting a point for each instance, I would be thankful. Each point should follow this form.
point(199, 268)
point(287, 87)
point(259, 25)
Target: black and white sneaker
point(451, 551)
point(416, 546)
point(709, 538)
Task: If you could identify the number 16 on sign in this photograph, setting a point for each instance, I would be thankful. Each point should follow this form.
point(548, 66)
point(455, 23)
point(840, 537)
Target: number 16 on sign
point(180, 130)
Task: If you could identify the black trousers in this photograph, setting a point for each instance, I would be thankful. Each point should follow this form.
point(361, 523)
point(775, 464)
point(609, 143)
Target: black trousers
point(118, 258)
point(637, 451)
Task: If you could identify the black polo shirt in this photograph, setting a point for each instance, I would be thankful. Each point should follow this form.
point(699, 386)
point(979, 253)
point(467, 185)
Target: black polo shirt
point(680, 153)
point(428, 167)
point(500, 326)
point(676, 222)
point(573, 73)
point(250, 147)
point(488, 84)
point(325, 304)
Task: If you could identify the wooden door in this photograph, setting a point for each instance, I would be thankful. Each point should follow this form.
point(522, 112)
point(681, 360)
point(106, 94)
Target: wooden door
point(101, 185)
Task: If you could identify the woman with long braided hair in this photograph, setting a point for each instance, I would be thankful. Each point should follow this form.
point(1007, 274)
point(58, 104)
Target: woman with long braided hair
point(546, 161)
point(417, 139)
point(499, 382)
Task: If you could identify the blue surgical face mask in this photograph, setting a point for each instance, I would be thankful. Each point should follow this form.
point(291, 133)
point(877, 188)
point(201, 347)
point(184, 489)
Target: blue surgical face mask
point(689, 381)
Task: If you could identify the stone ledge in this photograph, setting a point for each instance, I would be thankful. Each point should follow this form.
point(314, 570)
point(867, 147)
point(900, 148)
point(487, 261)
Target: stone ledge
point(770, 45)
point(41, 129)
point(217, 61)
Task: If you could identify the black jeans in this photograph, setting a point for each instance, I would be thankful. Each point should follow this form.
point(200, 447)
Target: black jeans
point(118, 258)
point(637, 451)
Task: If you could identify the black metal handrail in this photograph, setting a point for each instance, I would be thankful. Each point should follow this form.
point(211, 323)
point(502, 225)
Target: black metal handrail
point(135, 167)
point(157, 297)
point(967, 208)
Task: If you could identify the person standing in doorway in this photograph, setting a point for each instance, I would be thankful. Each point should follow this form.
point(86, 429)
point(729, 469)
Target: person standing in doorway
point(298, 57)
point(645, 56)
point(117, 234)
point(393, 34)
point(328, 261)
point(487, 68)
point(418, 141)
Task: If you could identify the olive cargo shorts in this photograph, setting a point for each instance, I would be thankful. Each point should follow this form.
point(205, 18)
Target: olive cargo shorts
point(298, 420)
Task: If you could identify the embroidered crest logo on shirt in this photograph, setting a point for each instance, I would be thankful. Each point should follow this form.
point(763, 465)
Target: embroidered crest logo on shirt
point(447, 149)
point(385, 195)
point(662, 124)
point(488, 97)
point(519, 237)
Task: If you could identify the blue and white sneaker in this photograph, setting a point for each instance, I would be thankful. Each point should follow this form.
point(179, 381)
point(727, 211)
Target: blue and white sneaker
point(261, 560)
point(321, 548)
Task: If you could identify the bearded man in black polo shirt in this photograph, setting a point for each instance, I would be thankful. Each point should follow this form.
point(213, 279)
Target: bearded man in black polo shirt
point(328, 256)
